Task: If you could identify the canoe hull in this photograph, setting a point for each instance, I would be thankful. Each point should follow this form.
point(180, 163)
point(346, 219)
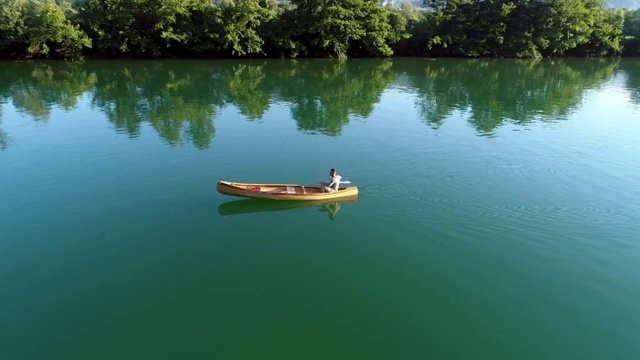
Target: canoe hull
point(283, 191)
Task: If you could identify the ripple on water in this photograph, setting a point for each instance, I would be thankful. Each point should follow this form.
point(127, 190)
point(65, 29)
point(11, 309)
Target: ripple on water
point(386, 189)
point(592, 214)
point(457, 180)
point(552, 217)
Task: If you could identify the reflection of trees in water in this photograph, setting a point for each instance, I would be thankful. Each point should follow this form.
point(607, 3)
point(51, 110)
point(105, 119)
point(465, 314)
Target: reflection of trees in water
point(323, 94)
point(631, 70)
point(248, 88)
point(47, 86)
point(180, 99)
point(4, 138)
point(494, 92)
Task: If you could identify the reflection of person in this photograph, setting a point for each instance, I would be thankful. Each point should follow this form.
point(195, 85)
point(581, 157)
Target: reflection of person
point(332, 209)
point(334, 184)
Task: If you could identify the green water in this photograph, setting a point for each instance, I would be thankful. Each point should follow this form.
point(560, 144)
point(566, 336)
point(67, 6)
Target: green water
point(498, 214)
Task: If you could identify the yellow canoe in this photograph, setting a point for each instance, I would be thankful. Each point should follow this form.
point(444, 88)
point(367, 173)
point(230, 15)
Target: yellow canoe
point(283, 191)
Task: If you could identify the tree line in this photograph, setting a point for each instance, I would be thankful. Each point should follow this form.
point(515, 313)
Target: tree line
point(73, 29)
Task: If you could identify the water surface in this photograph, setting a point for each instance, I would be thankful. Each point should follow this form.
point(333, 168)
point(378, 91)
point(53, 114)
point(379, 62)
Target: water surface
point(498, 214)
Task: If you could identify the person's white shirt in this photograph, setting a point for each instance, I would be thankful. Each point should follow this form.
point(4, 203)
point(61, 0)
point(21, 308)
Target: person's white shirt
point(335, 183)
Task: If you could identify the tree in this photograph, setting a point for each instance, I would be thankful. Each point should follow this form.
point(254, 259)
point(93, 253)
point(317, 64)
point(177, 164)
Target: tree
point(606, 34)
point(39, 29)
point(49, 30)
point(139, 27)
point(567, 24)
point(632, 23)
point(332, 27)
point(13, 30)
point(242, 20)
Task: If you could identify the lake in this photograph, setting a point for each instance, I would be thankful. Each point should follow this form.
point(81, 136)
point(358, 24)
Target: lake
point(498, 214)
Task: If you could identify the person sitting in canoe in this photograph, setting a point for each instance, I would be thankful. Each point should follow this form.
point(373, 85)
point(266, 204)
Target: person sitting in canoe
point(334, 184)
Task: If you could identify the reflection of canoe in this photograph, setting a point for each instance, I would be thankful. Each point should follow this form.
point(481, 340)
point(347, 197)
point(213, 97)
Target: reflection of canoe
point(283, 191)
point(247, 206)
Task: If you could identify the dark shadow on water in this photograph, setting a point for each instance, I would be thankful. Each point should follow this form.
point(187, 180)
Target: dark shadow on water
point(250, 206)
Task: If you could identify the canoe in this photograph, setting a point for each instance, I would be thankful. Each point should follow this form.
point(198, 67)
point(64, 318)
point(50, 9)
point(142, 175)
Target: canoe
point(282, 191)
point(249, 206)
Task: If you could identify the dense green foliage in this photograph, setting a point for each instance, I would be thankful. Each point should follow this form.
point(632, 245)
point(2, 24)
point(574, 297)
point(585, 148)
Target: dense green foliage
point(524, 28)
point(631, 33)
point(632, 23)
point(311, 28)
point(39, 29)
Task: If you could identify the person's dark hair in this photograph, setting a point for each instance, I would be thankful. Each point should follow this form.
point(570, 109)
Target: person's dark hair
point(333, 170)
